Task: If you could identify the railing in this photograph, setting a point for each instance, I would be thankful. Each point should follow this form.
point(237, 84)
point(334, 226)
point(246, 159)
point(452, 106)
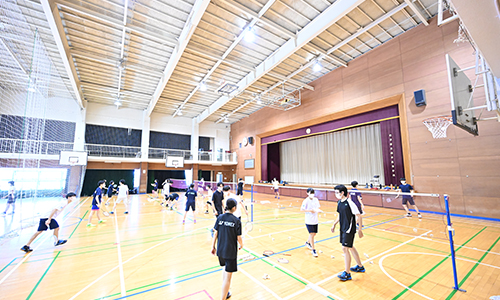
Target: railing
point(163, 153)
point(113, 151)
point(33, 146)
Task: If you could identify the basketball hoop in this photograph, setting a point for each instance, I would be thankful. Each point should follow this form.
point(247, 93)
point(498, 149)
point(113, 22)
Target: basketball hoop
point(175, 164)
point(438, 125)
point(73, 160)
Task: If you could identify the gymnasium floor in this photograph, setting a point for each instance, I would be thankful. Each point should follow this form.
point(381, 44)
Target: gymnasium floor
point(149, 254)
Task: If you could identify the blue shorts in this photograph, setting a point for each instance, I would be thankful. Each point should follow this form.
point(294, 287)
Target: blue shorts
point(95, 207)
point(191, 204)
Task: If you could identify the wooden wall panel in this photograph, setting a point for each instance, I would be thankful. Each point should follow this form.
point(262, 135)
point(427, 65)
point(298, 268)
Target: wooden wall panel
point(412, 61)
point(95, 165)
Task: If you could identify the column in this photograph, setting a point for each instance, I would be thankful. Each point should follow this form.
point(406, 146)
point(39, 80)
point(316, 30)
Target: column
point(146, 126)
point(195, 141)
point(79, 141)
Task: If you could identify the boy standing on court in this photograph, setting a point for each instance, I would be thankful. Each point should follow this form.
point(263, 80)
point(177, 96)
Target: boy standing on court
point(49, 221)
point(406, 188)
point(96, 202)
point(111, 190)
point(122, 196)
point(217, 199)
point(276, 188)
point(190, 202)
point(227, 236)
point(11, 198)
point(347, 213)
point(240, 205)
point(310, 206)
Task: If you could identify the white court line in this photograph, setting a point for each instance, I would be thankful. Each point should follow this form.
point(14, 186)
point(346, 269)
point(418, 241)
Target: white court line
point(40, 243)
point(440, 242)
point(422, 253)
point(128, 260)
point(261, 284)
point(364, 262)
point(310, 285)
point(120, 264)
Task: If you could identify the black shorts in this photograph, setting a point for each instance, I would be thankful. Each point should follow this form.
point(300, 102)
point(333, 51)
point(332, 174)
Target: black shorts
point(312, 228)
point(347, 239)
point(191, 204)
point(42, 226)
point(11, 199)
point(408, 199)
point(231, 264)
point(239, 193)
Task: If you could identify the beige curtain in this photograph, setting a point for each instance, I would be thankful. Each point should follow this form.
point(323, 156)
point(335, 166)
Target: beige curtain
point(337, 157)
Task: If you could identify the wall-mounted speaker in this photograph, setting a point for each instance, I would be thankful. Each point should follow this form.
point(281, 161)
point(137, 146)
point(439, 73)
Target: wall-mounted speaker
point(250, 140)
point(420, 98)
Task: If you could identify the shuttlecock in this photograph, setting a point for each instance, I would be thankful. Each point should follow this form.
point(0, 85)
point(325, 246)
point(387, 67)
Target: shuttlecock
point(320, 251)
point(289, 237)
point(371, 262)
point(366, 255)
point(260, 230)
point(332, 256)
point(431, 235)
point(414, 229)
point(273, 239)
point(265, 277)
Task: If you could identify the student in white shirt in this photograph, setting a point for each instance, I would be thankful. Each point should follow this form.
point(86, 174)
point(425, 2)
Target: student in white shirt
point(240, 204)
point(310, 206)
point(48, 220)
point(122, 196)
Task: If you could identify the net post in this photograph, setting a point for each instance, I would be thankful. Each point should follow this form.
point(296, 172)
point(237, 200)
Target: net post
point(251, 203)
point(452, 247)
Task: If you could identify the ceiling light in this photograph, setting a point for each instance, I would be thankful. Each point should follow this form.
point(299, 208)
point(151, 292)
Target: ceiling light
point(179, 113)
point(226, 120)
point(317, 67)
point(249, 35)
point(118, 103)
point(203, 86)
point(259, 101)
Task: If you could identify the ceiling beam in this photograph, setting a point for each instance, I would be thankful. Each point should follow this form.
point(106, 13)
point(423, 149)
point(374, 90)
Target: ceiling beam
point(417, 11)
point(56, 26)
point(199, 8)
point(255, 19)
point(326, 19)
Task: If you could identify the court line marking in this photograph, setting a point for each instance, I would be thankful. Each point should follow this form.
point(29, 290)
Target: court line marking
point(423, 253)
point(260, 284)
point(120, 262)
point(128, 260)
point(41, 278)
point(258, 258)
point(39, 244)
point(374, 257)
point(310, 285)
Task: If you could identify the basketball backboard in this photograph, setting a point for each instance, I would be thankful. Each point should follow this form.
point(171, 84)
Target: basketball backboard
point(174, 162)
point(461, 92)
point(73, 158)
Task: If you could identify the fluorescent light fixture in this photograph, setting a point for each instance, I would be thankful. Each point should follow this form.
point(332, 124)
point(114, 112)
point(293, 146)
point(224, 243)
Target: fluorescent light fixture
point(317, 67)
point(226, 120)
point(203, 86)
point(179, 113)
point(249, 35)
point(118, 103)
point(259, 101)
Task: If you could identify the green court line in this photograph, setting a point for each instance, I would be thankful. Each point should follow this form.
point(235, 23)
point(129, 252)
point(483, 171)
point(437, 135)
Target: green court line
point(78, 224)
point(472, 270)
point(8, 265)
point(41, 278)
point(160, 282)
point(437, 265)
point(414, 245)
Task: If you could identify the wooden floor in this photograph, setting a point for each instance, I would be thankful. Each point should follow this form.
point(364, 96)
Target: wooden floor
point(149, 254)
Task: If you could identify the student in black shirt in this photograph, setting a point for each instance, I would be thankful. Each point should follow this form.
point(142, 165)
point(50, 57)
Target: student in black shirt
point(217, 199)
point(239, 191)
point(190, 202)
point(227, 236)
point(348, 212)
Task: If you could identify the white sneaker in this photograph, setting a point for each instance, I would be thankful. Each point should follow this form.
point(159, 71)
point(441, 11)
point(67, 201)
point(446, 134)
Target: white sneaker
point(308, 245)
point(315, 254)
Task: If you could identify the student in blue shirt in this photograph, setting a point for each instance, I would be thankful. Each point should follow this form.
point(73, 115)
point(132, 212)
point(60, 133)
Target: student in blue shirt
point(97, 202)
point(190, 202)
point(406, 188)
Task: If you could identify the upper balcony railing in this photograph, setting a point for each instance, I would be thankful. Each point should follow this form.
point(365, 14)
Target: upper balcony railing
point(113, 151)
point(33, 146)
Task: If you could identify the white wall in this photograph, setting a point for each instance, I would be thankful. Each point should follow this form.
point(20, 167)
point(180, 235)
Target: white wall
point(107, 115)
point(63, 109)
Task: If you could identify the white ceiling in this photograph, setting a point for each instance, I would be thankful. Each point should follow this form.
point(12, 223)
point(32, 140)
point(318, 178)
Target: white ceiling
point(135, 48)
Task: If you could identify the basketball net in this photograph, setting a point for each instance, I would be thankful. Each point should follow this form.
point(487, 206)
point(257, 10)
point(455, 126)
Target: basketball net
point(438, 125)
